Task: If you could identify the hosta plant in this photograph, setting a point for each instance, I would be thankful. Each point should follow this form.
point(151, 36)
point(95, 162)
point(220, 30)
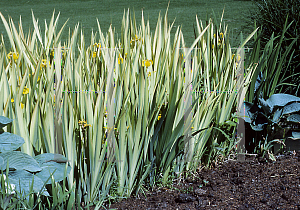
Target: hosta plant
point(277, 118)
point(25, 173)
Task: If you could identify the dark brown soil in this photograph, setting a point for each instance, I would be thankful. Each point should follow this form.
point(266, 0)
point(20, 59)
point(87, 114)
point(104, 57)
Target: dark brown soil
point(253, 184)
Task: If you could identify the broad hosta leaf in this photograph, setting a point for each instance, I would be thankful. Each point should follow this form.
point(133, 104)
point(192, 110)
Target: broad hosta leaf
point(245, 113)
point(265, 106)
point(294, 118)
point(277, 115)
point(296, 135)
point(10, 141)
point(49, 168)
point(25, 179)
point(281, 99)
point(258, 127)
point(19, 160)
point(4, 121)
point(49, 162)
point(50, 157)
point(1, 161)
point(291, 108)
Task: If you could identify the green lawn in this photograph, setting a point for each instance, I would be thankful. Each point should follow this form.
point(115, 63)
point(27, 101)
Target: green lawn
point(111, 12)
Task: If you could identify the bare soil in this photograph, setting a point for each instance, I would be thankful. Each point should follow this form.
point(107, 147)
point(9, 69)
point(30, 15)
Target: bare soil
point(255, 183)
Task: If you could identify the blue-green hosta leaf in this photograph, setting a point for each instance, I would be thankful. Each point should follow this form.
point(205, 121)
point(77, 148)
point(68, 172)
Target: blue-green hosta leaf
point(1, 162)
point(19, 160)
point(291, 108)
point(49, 162)
point(4, 121)
point(25, 179)
point(277, 115)
point(49, 168)
point(50, 157)
point(281, 99)
point(296, 135)
point(294, 118)
point(265, 106)
point(10, 141)
point(258, 127)
point(245, 112)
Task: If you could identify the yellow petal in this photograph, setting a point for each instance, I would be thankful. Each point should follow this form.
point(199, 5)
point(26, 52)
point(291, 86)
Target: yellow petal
point(159, 116)
point(9, 55)
point(15, 56)
point(44, 63)
point(25, 91)
point(12, 100)
point(222, 35)
point(120, 60)
point(22, 105)
point(86, 125)
point(147, 64)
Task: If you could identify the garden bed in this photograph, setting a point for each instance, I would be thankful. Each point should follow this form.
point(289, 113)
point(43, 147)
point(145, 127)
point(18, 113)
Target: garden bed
point(253, 184)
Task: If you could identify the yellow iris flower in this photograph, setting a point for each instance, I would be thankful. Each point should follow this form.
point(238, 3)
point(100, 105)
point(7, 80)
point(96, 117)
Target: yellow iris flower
point(98, 45)
point(44, 63)
point(84, 123)
point(120, 59)
point(94, 54)
point(26, 90)
point(147, 63)
point(135, 39)
point(222, 35)
point(159, 116)
point(14, 55)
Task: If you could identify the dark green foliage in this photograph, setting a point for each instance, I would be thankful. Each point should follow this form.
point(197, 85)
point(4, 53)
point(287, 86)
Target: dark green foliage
point(274, 118)
point(270, 16)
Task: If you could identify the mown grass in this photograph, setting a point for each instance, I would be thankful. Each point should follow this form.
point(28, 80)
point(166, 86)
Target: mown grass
point(111, 12)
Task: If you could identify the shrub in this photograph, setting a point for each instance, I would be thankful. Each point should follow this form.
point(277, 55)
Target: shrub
point(271, 16)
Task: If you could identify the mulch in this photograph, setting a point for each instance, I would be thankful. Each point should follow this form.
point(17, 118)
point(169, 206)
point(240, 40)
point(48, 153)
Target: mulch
point(255, 183)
